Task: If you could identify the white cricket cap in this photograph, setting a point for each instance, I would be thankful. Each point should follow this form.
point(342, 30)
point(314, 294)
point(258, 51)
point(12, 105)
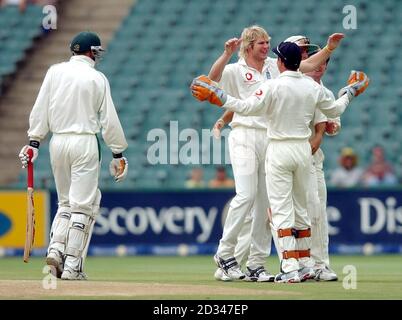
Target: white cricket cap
point(303, 41)
point(299, 40)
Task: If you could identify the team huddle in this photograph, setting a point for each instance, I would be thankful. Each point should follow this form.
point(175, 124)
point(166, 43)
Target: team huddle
point(278, 110)
point(278, 117)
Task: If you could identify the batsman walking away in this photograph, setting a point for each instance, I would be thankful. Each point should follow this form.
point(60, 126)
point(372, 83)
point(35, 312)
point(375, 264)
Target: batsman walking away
point(75, 103)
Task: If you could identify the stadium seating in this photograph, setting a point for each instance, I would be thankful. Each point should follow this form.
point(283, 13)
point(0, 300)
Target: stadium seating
point(162, 45)
point(17, 32)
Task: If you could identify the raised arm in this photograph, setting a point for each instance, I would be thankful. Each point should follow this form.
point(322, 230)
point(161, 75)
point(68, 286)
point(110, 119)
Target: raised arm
point(320, 57)
point(216, 71)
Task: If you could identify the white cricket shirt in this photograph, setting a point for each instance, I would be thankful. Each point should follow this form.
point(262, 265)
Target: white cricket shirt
point(75, 98)
point(320, 117)
point(240, 81)
point(289, 103)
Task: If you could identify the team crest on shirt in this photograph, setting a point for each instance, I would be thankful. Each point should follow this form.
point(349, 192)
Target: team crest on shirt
point(258, 93)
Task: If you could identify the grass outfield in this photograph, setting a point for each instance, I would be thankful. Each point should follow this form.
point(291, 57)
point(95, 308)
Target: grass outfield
point(148, 277)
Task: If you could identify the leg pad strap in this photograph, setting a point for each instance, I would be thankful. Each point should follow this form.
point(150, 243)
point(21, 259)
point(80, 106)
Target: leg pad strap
point(296, 254)
point(292, 232)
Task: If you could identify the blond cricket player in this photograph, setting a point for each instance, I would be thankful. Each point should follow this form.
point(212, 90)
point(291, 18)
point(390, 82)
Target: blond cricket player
point(289, 103)
point(75, 103)
point(246, 230)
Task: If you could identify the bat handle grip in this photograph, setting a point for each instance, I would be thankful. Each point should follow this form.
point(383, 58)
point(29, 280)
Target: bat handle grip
point(30, 177)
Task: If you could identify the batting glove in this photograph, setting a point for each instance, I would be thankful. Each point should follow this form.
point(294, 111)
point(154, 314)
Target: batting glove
point(357, 84)
point(118, 167)
point(203, 88)
point(24, 157)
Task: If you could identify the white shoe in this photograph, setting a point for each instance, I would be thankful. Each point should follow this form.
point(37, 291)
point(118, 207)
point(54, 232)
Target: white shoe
point(69, 274)
point(306, 274)
point(221, 276)
point(288, 277)
point(325, 274)
point(230, 268)
point(258, 275)
point(55, 261)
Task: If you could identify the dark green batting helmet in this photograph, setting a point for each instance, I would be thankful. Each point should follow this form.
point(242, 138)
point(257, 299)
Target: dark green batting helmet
point(85, 41)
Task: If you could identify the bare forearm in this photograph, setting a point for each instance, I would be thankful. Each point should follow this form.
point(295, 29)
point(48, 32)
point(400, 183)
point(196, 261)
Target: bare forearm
point(320, 129)
point(314, 61)
point(318, 59)
point(315, 141)
point(215, 73)
point(227, 116)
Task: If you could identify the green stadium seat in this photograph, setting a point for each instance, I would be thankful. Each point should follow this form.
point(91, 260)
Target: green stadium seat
point(162, 45)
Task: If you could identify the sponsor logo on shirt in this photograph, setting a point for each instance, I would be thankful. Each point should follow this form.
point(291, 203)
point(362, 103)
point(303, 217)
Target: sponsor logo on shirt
point(249, 76)
point(258, 93)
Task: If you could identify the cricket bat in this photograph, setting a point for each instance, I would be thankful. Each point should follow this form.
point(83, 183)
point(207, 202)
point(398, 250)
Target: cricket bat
point(30, 232)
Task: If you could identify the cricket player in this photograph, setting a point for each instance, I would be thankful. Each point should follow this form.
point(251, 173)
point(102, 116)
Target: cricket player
point(246, 231)
point(289, 103)
point(75, 103)
point(317, 194)
point(317, 200)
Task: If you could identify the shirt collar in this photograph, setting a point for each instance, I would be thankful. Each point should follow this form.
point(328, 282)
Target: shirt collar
point(84, 59)
point(242, 62)
point(289, 73)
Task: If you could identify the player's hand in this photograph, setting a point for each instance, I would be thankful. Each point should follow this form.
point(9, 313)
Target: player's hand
point(24, 156)
point(332, 128)
point(357, 83)
point(232, 45)
point(118, 168)
point(334, 40)
point(203, 88)
point(216, 130)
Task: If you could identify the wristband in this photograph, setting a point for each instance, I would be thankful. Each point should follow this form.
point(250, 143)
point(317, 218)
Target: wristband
point(117, 155)
point(34, 143)
point(328, 49)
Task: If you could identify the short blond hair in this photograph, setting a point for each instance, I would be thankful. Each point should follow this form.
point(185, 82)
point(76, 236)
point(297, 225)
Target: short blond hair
point(249, 36)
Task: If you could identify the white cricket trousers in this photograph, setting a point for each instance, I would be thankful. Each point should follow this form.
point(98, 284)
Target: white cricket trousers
point(288, 165)
point(75, 164)
point(317, 205)
point(247, 148)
